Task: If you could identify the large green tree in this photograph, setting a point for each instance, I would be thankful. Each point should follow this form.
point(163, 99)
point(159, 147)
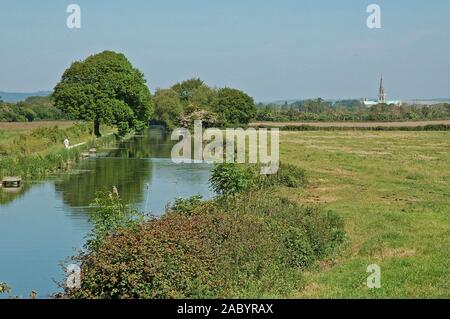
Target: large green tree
point(186, 88)
point(204, 97)
point(168, 107)
point(105, 88)
point(236, 107)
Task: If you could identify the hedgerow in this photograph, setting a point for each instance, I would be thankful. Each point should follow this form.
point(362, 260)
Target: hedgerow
point(251, 244)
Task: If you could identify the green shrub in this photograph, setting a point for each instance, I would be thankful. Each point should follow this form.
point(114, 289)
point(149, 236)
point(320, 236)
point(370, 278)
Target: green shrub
point(185, 206)
point(231, 179)
point(324, 231)
point(110, 215)
point(287, 175)
point(254, 245)
point(299, 252)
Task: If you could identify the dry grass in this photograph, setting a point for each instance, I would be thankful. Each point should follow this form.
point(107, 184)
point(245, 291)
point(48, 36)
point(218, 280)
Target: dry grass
point(24, 126)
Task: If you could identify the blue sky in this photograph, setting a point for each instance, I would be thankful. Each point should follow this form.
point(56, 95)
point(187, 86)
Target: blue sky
point(270, 49)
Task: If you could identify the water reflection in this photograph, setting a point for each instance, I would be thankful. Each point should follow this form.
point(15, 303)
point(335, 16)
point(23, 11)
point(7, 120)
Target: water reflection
point(9, 195)
point(129, 175)
point(41, 225)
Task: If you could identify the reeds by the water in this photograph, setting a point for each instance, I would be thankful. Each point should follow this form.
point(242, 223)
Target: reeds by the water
point(41, 152)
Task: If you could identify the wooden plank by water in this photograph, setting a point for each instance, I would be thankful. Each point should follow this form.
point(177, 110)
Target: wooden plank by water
point(12, 182)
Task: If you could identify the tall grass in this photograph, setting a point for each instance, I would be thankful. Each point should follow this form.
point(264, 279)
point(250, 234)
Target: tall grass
point(42, 139)
point(41, 152)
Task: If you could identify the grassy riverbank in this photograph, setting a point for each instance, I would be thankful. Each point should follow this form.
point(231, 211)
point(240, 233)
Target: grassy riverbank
point(249, 243)
point(393, 191)
point(33, 151)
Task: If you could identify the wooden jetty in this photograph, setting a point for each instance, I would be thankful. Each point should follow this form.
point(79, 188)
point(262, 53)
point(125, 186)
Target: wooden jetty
point(12, 182)
point(93, 152)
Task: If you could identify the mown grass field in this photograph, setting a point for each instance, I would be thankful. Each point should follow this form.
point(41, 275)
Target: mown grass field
point(393, 191)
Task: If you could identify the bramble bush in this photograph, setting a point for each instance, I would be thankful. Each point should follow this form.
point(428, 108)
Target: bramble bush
point(229, 179)
point(110, 214)
point(253, 244)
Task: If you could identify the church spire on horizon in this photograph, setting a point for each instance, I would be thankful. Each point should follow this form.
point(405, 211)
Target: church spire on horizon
point(381, 92)
point(382, 97)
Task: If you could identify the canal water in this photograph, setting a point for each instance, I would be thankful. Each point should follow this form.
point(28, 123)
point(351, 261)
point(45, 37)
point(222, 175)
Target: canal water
point(47, 221)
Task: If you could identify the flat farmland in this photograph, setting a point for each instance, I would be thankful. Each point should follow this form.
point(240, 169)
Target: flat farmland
point(393, 191)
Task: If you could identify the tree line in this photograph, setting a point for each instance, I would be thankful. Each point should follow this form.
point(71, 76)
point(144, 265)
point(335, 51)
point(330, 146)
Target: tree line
point(106, 89)
point(190, 100)
point(349, 110)
point(35, 108)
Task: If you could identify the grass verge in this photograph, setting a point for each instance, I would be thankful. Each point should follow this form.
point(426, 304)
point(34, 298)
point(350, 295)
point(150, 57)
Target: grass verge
point(40, 151)
point(392, 190)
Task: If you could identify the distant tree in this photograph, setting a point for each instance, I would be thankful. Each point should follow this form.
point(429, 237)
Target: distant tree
point(292, 112)
point(315, 106)
point(349, 104)
point(186, 88)
point(105, 88)
point(349, 110)
point(41, 108)
point(204, 97)
point(235, 106)
point(168, 107)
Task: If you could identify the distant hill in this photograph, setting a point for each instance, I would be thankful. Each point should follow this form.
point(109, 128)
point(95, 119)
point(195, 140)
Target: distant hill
point(17, 97)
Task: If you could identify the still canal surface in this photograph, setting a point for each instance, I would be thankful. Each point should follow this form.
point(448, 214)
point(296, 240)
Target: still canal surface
point(47, 222)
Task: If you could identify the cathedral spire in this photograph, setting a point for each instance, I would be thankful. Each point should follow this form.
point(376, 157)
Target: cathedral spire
point(381, 92)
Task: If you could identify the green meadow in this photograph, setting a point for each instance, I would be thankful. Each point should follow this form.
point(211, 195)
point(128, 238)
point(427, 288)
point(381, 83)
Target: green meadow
point(393, 191)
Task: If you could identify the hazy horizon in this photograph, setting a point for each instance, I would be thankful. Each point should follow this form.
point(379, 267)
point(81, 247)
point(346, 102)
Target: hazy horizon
point(272, 50)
